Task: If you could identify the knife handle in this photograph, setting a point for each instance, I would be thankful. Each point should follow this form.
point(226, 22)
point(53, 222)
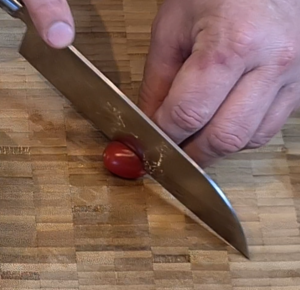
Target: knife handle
point(11, 6)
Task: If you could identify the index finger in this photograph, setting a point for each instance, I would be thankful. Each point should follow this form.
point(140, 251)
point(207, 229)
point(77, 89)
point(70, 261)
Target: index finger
point(165, 58)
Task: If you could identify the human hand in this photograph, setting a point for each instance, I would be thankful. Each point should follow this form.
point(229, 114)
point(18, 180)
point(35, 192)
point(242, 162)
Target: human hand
point(222, 75)
point(53, 20)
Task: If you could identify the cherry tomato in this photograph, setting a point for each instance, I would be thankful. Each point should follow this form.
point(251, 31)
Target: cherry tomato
point(122, 161)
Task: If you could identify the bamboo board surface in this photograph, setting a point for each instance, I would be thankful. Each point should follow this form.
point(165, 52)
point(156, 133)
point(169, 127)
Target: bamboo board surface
point(65, 223)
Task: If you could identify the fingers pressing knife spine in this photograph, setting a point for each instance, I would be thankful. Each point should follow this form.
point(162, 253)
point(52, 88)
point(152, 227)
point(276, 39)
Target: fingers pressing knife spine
point(53, 20)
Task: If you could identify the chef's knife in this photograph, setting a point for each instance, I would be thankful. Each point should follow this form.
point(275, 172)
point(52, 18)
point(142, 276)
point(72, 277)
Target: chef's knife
point(100, 101)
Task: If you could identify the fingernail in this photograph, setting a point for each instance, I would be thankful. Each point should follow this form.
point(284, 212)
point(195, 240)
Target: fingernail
point(60, 34)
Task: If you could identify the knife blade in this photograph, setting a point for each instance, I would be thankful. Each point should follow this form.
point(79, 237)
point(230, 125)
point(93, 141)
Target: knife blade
point(95, 97)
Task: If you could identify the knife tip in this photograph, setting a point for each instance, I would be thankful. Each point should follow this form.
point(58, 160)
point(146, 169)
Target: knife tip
point(246, 254)
point(243, 249)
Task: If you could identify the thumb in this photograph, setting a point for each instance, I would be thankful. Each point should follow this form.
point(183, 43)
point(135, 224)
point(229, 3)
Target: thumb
point(53, 21)
point(165, 58)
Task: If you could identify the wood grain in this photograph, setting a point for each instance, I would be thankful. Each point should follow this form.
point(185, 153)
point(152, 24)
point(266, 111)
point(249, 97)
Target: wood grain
point(66, 223)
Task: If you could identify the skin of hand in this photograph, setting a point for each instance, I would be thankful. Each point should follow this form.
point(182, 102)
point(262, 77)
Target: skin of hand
point(222, 75)
point(53, 20)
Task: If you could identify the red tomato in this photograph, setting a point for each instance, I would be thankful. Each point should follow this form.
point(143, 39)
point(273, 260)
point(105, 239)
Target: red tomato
point(122, 161)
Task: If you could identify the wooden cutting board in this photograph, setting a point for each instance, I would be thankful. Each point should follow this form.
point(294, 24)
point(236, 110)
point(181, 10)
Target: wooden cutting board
point(65, 223)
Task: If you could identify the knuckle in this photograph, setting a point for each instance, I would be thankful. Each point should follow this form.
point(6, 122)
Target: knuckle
point(287, 56)
point(219, 55)
point(223, 56)
point(259, 140)
point(222, 143)
point(189, 116)
point(157, 33)
point(145, 99)
point(145, 92)
point(244, 40)
point(254, 144)
point(296, 108)
point(282, 59)
point(154, 28)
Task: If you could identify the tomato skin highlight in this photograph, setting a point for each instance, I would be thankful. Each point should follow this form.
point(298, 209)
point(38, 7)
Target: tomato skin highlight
point(122, 161)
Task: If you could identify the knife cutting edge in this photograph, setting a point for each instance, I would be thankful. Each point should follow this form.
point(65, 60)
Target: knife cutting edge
point(94, 96)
